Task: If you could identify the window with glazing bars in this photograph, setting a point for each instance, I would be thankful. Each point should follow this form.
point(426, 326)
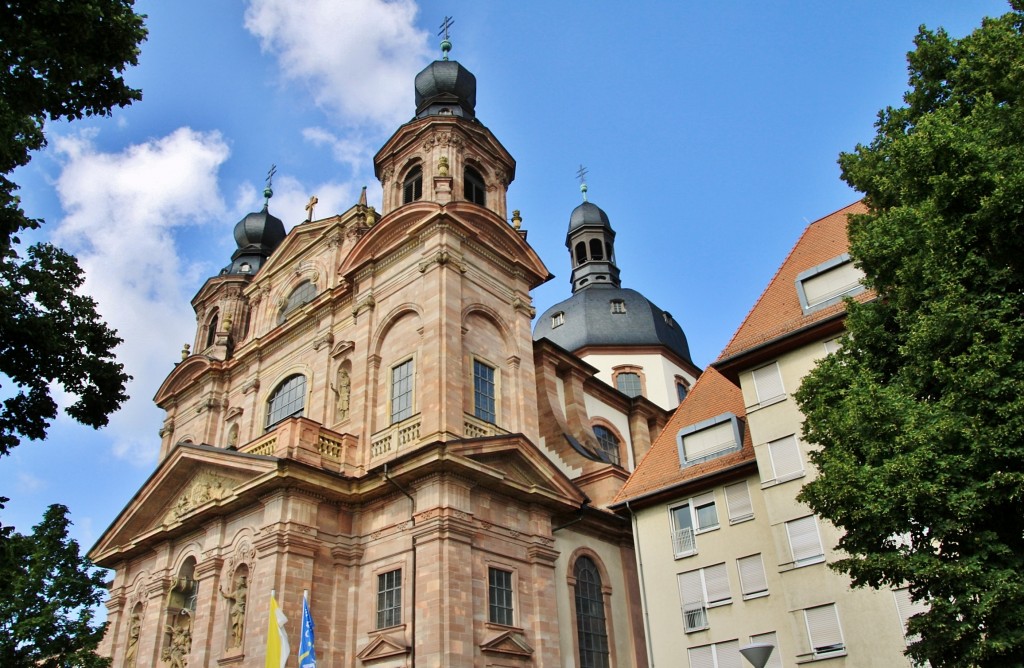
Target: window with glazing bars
point(499, 596)
point(609, 444)
point(629, 384)
point(287, 400)
point(590, 620)
point(483, 392)
point(401, 392)
point(389, 599)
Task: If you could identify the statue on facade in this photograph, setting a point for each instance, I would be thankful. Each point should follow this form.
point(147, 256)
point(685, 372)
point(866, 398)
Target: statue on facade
point(237, 597)
point(132, 648)
point(177, 651)
point(344, 391)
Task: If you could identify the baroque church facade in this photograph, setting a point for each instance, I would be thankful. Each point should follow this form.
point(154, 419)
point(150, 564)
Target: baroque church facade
point(367, 416)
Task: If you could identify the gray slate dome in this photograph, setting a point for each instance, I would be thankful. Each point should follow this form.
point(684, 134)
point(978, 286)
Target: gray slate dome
point(257, 236)
point(588, 320)
point(586, 215)
point(445, 87)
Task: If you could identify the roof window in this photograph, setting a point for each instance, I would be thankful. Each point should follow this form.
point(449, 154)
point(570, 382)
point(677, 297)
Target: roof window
point(828, 283)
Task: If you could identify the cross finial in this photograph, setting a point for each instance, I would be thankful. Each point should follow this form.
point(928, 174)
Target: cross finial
point(268, 192)
point(581, 174)
point(446, 44)
point(309, 207)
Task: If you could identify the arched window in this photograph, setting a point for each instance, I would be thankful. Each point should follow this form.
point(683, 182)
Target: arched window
point(211, 330)
point(473, 187)
point(287, 400)
point(302, 294)
point(608, 443)
point(412, 187)
point(596, 249)
point(628, 383)
point(581, 253)
point(591, 631)
point(608, 252)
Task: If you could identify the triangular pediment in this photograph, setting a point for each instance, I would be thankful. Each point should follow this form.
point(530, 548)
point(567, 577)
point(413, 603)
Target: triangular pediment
point(521, 465)
point(381, 647)
point(508, 642)
point(193, 481)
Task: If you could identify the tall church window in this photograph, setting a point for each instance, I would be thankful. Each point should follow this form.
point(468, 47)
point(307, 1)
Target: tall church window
point(302, 294)
point(389, 599)
point(287, 400)
point(484, 392)
point(211, 330)
point(401, 391)
point(473, 187)
point(608, 443)
point(499, 597)
point(412, 187)
point(590, 619)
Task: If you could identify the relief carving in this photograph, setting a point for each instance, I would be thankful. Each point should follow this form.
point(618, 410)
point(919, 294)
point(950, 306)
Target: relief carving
point(206, 486)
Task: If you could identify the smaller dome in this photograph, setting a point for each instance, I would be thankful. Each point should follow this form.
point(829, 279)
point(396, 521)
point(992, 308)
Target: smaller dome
point(445, 86)
point(260, 228)
point(588, 214)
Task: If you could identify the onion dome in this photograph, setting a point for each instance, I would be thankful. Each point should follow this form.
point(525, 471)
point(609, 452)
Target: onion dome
point(588, 215)
point(445, 88)
point(257, 236)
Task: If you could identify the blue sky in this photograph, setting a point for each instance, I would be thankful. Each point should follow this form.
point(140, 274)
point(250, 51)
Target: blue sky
point(710, 131)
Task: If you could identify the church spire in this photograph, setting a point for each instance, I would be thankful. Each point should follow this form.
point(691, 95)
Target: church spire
point(591, 244)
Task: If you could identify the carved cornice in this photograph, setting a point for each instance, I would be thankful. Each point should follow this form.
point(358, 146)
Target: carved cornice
point(442, 258)
point(342, 347)
point(205, 486)
point(323, 340)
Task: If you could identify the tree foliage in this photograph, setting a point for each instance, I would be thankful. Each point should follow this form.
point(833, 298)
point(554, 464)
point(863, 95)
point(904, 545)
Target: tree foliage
point(59, 60)
point(48, 593)
point(921, 415)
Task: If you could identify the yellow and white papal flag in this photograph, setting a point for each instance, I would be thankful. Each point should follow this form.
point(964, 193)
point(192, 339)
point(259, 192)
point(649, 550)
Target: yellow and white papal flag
point(277, 640)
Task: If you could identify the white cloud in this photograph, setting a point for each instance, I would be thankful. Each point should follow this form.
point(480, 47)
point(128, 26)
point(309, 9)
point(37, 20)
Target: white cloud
point(122, 212)
point(356, 57)
point(352, 150)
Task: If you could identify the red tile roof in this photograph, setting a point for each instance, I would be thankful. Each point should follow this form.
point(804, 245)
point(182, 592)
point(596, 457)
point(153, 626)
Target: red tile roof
point(712, 395)
point(777, 312)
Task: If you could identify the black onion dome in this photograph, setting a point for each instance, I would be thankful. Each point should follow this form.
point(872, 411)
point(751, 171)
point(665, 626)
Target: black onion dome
point(587, 320)
point(257, 236)
point(445, 87)
point(259, 228)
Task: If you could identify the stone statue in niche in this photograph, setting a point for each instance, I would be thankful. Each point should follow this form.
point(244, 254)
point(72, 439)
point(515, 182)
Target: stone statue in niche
point(442, 166)
point(134, 630)
point(343, 389)
point(177, 651)
point(237, 597)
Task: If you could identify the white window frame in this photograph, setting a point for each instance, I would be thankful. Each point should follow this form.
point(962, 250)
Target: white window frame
point(783, 449)
point(738, 504)
point(495, 388)
point(770, 638)
point(906, 609)
point(712, 655)
point(766, 385)
point(832, 345)
point(557, 319)
point(804, 525)
point(822, 617)
point(752, 562)
point(698, 578)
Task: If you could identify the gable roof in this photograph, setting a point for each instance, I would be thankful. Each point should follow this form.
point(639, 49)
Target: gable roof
point(777, 312)
point(660, 470)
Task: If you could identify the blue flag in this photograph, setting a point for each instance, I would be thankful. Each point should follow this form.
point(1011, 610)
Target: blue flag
point(307, 654)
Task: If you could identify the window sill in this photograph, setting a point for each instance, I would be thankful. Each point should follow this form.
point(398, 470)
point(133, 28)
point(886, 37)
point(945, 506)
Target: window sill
point(502, 627)
point(718, 604)
point(698, 532)
point(821, 657)
point(757, 594)
point(683, 555)
point(786, 478)
point(703, 628)
point(741, 520)
point(767, 402)
point(810, 561)
point(387, 629)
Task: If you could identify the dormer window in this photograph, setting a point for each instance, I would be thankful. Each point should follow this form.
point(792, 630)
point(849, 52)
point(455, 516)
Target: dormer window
point(709, 439)
point(828, 283)
point(412, 187)
point(473, 187)
point(618, 306)
point(558, 319)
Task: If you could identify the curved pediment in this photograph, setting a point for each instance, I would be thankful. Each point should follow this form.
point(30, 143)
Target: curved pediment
point(473, 223)
point(185, 376)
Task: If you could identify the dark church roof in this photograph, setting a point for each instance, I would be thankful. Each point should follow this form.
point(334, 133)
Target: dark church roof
point(257, 236)
point(587, 320)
